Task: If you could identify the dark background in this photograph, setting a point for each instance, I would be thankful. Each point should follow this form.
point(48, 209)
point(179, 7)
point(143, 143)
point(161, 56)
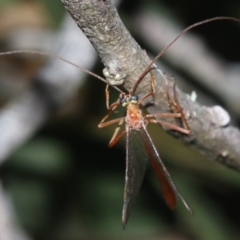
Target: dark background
point(65, 183)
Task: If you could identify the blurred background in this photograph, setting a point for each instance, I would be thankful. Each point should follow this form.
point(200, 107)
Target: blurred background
point(59, 179)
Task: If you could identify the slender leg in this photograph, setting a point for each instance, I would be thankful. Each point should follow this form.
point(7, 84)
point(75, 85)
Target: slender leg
point(140, 79)
point(117, 136)
point(163, 115)
point(113, 105)
point(170, 125)
point(110, 112)
point(152, 83)
point(153, 88)
point(103, 124)
point(179, 106)
point(107, 96)
point(114, 141)
point(175, 103)
point(120, 120)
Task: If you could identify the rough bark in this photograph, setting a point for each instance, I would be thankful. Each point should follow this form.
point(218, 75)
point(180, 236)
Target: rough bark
point(125, 61)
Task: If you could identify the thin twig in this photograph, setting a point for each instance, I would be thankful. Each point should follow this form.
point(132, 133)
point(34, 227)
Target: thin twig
point(124, 61)
point(192, 55)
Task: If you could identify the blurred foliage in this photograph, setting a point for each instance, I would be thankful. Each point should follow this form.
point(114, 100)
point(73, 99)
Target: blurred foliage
point(54, 9)
point(65, 183)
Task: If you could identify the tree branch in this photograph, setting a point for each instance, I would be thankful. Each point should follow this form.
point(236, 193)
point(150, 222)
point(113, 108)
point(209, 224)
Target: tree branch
point(121, 55)
point(125, 61)
point(192, 55)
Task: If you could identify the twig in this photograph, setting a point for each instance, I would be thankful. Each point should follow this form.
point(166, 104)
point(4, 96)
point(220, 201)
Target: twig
point(124, 61)
point(192, 55)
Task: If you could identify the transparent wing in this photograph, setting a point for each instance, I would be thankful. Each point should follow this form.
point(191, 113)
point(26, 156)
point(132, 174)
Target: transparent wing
point(169, 189)
point(139, 148)
point(136, 160)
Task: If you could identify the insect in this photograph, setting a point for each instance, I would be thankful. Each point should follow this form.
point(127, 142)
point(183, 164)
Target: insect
point(139, 146)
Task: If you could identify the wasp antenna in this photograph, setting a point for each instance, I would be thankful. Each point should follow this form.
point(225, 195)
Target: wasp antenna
point(48, 54)
point(179, 35)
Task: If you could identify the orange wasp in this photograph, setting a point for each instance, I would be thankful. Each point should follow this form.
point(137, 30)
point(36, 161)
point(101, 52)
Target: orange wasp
point(139, 145)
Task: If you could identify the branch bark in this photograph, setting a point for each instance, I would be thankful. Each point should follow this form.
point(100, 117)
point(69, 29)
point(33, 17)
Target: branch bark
point(125, 61)
point(192, 55)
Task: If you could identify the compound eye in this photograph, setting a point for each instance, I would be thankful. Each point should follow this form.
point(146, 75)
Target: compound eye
point(134, 98)
point(122, 101)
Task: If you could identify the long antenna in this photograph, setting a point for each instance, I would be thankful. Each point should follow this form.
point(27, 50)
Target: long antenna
point(60, 58)
point(144, 72)
point(175, 39)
